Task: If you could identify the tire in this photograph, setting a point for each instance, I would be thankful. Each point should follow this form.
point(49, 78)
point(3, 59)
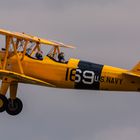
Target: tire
point(3, 103)
point(14, 107)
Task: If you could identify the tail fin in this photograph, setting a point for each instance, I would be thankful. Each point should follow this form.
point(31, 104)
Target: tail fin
point(136, 69)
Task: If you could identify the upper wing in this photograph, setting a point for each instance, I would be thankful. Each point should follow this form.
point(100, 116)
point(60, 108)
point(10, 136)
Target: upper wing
point(60, 44)
point(23, 78)
point(33, 38)
point(26, 37)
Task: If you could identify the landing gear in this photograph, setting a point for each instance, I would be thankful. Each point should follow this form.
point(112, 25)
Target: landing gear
point(14, 107)
point(3, 103)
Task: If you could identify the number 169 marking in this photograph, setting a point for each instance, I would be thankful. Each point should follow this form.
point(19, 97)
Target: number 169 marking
point(77, 75)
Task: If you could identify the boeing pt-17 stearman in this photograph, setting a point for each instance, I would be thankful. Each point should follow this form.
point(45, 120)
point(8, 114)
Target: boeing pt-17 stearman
point(21, 61)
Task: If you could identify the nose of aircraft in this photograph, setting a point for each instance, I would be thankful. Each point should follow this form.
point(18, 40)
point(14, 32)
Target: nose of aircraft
point(88, 75)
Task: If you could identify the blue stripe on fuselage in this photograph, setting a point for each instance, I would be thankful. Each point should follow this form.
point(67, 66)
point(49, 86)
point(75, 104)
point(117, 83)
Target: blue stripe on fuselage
point(88, 75)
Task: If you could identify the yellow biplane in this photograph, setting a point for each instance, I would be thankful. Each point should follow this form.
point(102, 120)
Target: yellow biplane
point(22, 61)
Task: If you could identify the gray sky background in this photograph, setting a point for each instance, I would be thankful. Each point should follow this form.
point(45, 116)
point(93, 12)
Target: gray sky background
point(104, 31)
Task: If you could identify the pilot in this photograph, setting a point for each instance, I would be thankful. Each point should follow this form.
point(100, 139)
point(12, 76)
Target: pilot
point(28, 51)
point(39, 55)
point(61, 57)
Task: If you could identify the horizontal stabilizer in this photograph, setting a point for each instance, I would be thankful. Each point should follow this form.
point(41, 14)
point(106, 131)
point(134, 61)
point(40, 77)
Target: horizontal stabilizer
point(23, 78)
point(128, 73)
point(136, 69)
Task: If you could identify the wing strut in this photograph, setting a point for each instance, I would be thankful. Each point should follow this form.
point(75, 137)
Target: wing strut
point(18, 59)
point(7, 50)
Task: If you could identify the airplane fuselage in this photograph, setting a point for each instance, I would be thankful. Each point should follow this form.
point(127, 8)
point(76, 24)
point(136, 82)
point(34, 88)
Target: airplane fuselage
point(77, 74)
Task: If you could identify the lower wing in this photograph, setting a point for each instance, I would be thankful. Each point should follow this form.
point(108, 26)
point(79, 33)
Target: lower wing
point(21, 78)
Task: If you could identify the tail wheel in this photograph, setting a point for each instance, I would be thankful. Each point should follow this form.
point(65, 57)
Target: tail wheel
point(14, 107)
point(3, 103)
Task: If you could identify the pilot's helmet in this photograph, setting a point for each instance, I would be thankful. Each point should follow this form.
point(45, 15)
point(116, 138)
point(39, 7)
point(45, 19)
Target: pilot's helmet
point(61, 55)
point(39, 55)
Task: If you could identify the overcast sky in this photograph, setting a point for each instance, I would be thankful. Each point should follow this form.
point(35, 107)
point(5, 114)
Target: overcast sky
point(104, 31)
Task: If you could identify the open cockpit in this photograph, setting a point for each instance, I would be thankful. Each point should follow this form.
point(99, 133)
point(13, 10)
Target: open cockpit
point(39, 53)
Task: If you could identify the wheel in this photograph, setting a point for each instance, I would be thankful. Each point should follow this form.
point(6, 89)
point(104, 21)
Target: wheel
point(14, 107)
point(3, 103)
